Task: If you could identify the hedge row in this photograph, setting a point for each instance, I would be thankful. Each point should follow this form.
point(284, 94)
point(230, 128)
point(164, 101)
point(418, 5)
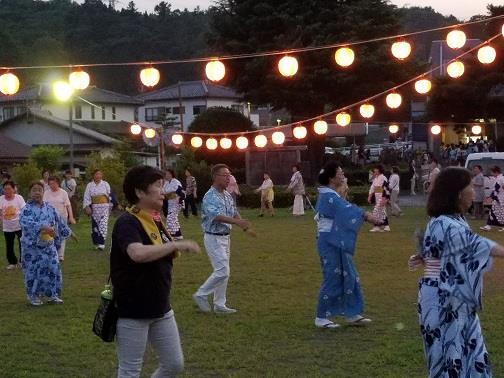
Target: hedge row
point(251, 199)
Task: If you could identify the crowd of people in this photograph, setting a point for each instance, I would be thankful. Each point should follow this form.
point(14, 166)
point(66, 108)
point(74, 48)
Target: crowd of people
point(144, 246)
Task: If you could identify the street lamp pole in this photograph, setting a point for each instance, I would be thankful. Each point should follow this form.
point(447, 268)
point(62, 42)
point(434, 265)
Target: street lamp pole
point(70, 125)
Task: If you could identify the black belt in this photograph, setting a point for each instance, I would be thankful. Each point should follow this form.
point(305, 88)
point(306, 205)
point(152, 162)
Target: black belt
point(216, 233)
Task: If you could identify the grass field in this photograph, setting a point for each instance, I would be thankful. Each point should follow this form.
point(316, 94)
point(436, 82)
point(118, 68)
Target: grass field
point(274, 284)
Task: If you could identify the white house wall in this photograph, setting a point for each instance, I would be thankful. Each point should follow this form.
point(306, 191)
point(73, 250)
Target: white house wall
point(188, 117)
point(42, 132)
point(123, 112)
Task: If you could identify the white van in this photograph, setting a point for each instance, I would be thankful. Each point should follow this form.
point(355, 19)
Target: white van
point(486, 160)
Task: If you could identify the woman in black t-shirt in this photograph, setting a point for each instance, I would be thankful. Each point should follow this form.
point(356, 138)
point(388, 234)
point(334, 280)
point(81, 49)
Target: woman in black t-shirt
point(140, 268)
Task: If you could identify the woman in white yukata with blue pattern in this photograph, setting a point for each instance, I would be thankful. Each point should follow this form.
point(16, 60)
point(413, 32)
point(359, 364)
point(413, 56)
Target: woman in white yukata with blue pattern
point(338, 223)
point(450, 291)
point(43, 231)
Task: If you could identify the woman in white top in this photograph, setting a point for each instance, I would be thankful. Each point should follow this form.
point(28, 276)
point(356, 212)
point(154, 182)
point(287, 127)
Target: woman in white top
point(97, 204)
point(174, 195)
point(380, 194)
point(10, 208)
point(58, 198)
point(496, 215)
point(394, 182)
point(297, 188)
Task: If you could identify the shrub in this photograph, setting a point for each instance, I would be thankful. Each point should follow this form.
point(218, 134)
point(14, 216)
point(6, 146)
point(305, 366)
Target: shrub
point(24, 174)
point(47, 157)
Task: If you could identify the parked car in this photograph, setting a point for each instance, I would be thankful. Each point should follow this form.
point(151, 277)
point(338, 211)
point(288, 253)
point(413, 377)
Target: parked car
point(486, 160)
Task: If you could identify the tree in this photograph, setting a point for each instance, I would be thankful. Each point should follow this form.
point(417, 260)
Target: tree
point(219, 119)
point(47, 157)
point(246, 26)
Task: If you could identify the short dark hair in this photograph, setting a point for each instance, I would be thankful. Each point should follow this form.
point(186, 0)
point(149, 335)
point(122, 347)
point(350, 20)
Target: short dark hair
point(35, 183)
point(434, 160)
point(296, 166)
point(395, 169)
point(379, 167)
point(95, 170)
point(444, 197)
point(54, 178)
point(479, 167)
point(328, 172)
point(44, 171)
point(188, 170)
point(495, 169)
point(140, 177)
point(172, 172)
point(68, 171)
point(10, 183)
point(217, 167)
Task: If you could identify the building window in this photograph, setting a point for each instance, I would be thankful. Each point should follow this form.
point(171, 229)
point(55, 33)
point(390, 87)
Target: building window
point(8, 112)
point(156, 114)
point(92, 112)
point(103, 112)
point(178, 110)
point(78, 112)
point(198, 109)
point(237, 108)
point(113, 112)
point(20, 110)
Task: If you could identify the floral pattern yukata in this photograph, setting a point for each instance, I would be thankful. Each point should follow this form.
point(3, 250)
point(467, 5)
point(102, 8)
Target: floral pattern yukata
point(42, 274)
point(338, 222)
point(174, 192)
point(496, 215)
point(98, 196)
point(448, 306)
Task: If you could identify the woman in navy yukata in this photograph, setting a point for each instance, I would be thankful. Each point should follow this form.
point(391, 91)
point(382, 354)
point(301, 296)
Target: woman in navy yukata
point(43, 231)
point(449, 295)
point(338, 222)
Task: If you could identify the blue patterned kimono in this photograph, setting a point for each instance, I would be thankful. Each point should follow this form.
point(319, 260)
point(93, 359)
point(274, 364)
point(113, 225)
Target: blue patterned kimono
point(448, 306)
point(41, 267)
point(338, 222)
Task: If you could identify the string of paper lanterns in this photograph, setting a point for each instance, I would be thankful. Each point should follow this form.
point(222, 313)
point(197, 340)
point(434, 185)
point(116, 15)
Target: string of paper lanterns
point(288, 65)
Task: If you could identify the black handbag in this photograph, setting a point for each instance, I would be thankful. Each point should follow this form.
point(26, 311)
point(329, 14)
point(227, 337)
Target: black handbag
point(105, 320)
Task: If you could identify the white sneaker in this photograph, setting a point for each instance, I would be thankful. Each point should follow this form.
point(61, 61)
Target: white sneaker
point(202, 303)
point(10, 267)
point(100, 247)
point(485, 228)
point(386, 228)
point(358, 320)
point(325, 323)
point(224, 310)
point(376, 229)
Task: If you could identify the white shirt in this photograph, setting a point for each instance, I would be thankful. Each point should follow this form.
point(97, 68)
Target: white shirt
point(10, 210)
point(394, 182)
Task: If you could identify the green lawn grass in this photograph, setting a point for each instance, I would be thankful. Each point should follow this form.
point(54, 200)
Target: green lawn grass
point(274, 284)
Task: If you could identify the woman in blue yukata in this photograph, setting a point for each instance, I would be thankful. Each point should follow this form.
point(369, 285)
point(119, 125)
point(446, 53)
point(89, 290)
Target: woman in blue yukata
point(43, 231)
point(449, 296)
point(338, 222)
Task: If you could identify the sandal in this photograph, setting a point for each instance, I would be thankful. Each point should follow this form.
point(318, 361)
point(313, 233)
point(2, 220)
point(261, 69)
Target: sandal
point(358, 320)
point(325, 323)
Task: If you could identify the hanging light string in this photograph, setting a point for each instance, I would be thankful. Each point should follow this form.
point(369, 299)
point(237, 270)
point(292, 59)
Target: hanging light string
point(258, 54)
point(348, 107)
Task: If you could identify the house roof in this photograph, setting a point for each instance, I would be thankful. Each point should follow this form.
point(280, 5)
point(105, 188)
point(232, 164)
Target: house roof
point(77, 128)
point(191, 89)
point(11, 149)
point(120, 128)
point(43, 92)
